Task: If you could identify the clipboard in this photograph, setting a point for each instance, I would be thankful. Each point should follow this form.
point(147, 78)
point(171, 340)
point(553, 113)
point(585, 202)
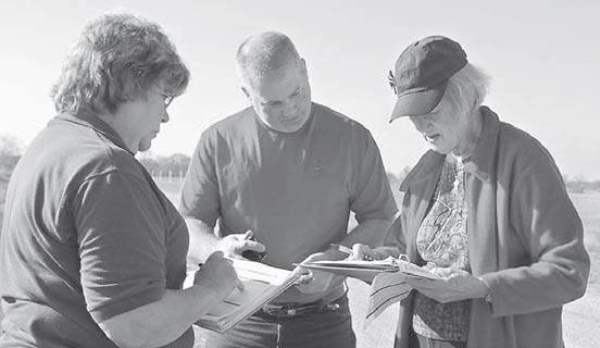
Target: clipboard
point(367, 270)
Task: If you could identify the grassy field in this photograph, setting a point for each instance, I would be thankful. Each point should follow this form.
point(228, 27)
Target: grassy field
point(580, 323)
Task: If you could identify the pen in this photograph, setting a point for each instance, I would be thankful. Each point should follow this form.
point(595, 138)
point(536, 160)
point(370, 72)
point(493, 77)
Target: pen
point(342, 248)
point(253, 255)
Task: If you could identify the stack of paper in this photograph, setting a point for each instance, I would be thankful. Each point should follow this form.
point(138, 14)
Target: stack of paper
point(387, 278)
point(369, 269)
point(262, 283)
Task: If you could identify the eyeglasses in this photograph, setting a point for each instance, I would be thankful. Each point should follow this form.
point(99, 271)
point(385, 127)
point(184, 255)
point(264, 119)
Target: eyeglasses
point(168, 99)
point(392, 82)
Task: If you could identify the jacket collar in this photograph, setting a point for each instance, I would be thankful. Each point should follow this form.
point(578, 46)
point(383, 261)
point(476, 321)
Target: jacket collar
point(88, 119)
point(480, 164)
point(426, 170)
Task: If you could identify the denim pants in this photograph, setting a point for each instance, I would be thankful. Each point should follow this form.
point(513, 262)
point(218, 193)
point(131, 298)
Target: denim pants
point(426, 342)
point(320, 329)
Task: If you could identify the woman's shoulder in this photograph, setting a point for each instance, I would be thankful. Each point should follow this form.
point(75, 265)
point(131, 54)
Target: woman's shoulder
point(521, 147)
point(429, 164)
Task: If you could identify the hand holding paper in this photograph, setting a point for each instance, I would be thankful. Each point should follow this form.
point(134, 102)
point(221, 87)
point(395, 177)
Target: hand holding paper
point(219, 274)
point(451, 285)
point(362, 268)
point(320, 281)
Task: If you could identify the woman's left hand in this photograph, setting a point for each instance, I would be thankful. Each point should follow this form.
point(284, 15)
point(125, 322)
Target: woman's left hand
point(453, 285)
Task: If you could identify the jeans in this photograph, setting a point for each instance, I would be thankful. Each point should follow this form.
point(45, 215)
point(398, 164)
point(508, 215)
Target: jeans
point(426, 342)
point(329, 328)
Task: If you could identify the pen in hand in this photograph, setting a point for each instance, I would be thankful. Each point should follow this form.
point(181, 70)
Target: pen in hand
point(253, 255)
point(341, 248)
point(349, 251)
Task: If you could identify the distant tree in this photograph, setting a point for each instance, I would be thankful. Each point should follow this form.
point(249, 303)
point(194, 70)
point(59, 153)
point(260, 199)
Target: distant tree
point(10, 153)
point(580, 184)
point(393, 179)
point(174, 165)
point(404, 173)
point(178, 164)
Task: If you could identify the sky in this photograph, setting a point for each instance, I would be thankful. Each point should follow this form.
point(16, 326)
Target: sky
point(543, 58)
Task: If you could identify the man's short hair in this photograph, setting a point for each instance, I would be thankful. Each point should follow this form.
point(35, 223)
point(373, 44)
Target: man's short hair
point(117, 58)
point(264, 53)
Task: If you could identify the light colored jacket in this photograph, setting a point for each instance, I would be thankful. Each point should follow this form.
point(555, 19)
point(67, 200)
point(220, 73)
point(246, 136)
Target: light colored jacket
point(525, 238)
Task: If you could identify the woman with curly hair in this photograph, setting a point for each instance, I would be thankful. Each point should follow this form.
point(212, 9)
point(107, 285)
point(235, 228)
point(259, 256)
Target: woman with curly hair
point(92, 253)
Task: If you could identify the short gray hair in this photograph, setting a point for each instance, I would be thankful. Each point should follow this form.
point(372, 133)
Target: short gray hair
point(264, 53)
point(467, 88)
point(117, 58)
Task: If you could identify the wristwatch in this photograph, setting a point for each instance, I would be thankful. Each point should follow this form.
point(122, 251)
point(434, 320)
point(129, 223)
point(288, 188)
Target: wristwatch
point(488, 297)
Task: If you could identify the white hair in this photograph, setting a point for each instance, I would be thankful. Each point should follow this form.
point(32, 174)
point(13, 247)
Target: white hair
point(467, 89)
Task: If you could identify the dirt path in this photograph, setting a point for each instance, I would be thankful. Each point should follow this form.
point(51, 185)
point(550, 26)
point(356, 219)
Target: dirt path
point(581, 320)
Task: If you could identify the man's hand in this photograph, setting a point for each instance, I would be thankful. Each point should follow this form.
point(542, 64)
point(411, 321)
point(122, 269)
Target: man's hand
point(364, 252)
point(218, 274)
point(321, 281)
point(454, 285)
point(234, 245)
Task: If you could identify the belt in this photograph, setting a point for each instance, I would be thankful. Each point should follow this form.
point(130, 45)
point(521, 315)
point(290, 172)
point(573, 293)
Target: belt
point(289, 310)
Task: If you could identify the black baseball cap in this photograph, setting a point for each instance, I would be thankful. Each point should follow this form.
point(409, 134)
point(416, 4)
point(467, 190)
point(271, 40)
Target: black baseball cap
point(422, 72)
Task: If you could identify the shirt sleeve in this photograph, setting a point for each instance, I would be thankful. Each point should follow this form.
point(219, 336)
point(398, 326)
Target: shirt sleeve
point(371, 196)
point(200, 190)
point(121, 238)
point(549, 227)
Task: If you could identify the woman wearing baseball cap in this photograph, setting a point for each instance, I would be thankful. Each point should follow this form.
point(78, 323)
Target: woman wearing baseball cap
point(487, 206)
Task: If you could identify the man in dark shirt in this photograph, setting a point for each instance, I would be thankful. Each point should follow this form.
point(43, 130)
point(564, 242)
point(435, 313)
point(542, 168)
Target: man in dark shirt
point(289, 170)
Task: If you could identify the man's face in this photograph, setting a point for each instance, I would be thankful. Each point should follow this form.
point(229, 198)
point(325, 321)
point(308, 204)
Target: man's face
point(281, 98)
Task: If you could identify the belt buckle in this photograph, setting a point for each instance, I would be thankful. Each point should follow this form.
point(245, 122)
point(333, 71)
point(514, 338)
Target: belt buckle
point(289, 310)
point(292, 310)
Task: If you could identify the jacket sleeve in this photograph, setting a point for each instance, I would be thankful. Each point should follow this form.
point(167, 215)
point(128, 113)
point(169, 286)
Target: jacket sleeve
point(551, 231)
point(395, 236)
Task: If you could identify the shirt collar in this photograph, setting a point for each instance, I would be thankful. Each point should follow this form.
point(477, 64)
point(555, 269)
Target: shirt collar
point(88, 119)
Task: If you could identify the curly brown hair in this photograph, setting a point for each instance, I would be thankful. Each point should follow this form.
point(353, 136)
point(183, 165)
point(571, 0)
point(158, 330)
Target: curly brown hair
point(118, 58)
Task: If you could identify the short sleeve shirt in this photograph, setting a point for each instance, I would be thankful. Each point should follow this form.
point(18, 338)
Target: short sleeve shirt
point(294, 190)
point(87, 235)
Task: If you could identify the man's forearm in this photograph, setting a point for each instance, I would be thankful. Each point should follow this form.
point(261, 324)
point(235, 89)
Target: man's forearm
point(369, 232)
point(203, 240)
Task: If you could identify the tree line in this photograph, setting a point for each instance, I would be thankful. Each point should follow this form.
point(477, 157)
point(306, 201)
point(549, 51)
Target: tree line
point(175, 166)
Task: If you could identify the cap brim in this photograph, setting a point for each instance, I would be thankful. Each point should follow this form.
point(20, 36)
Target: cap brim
point(416, 103)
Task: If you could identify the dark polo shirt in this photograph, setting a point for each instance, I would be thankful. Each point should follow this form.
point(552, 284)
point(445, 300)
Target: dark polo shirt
point(86, 235)
point(294, 190)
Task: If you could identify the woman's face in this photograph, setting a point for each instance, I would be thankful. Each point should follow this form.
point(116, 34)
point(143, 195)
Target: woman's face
point(138, 121)
point(444, 129)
